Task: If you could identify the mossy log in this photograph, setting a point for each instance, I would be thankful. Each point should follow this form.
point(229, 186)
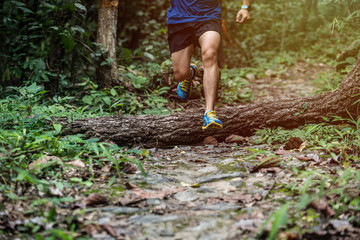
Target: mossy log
point(184, 128)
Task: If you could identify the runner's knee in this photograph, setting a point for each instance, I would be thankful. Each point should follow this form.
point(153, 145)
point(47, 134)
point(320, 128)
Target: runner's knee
point(180, 73)
point(209, 56)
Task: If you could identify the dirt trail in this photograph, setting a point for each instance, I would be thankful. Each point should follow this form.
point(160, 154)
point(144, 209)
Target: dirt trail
point(295, 81)
point(208, 192)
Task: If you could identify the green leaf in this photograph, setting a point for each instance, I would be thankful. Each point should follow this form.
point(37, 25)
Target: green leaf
point(149, 55)
point(26, 10)
point(87, 99)
point(57, 127)
point(45, 77)
point(113, 92)
point(280, 220)
point(107, 100)
point(76, 179)
point(138, 82)
point(68, 41)
point(80, 7)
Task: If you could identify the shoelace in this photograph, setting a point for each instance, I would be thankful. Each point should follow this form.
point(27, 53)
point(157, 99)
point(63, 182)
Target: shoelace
point(211, 115)
point(185, 85)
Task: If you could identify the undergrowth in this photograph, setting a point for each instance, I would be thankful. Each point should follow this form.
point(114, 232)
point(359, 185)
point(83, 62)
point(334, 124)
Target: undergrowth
point(334, 144)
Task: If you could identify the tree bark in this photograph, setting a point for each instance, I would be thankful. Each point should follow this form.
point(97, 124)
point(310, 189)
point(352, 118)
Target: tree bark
point(108, 75)
point(185, 128)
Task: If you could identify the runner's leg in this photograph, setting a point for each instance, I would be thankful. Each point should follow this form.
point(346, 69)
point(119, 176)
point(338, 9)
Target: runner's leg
point(181, 63)
point(209, 43)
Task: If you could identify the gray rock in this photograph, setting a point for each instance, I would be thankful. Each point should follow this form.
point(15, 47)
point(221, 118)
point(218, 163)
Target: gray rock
point(186, 196)
point(152, 219)
point(116, 209)
point(216, 177)
point(221, 206)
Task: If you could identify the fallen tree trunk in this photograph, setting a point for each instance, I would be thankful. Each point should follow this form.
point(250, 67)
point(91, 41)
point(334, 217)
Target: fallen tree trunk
point(185, 128)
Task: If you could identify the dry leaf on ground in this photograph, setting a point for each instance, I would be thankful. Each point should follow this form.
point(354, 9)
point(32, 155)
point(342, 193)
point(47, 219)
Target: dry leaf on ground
point(105, 169)
point(128, 168)
point(128, 200)
point(282, 152)
point(110, 229)
point(129, 185)
point(143, 194)
point(235, 139)
point(210, 141)
point(155, 194)
point(77, 163)
point(293, 143)
point(323, 207)
point(270, 170)
point(36, 165)
point(199, 161)
point(95, 199)
point(268, 162)
point(309, 157)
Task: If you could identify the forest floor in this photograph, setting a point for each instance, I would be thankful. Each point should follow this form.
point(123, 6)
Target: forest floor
point(209, 191)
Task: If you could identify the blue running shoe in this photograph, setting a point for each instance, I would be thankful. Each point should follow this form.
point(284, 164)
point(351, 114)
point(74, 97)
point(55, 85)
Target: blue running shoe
point(210, 120)
point(184, 88)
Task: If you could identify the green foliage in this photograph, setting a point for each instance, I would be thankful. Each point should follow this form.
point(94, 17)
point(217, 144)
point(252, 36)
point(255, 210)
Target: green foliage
point(234, 87)
point(327, 81)
point(28, 132)
point(283, 26)
point(336, 143)
point(44, 42)
point(142, 30)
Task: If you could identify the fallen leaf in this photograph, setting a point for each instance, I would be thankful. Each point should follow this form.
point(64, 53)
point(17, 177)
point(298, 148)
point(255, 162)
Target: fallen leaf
point(144, 194)
point(270, 170)
point(210, 141)
point(77, 163)
point(293, 143)
point(129, 185)
point(37, 164)
point(323, 207)
point(266, 163)
point(128, 168)
point(90, 229)
point(282, 152)
point(110, 229)
point(199, 161)
point(155, 194)
point(56, 192)
point(304, 158)
point(235, 139)
point(95, 199)
point(251, 225)
point(194, 185)
point(242, 197)
point(126, 201)
point(314, 157)
point(1, 198)
point(302, 146)
point(105, 169)
point(288, 236)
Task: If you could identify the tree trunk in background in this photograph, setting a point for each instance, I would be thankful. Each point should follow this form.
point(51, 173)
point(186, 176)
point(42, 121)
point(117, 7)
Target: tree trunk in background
point(305, 15)
point(108, 75)
point(185, 128)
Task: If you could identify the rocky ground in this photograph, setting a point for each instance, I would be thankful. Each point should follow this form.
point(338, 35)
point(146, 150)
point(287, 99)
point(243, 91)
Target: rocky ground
point(211, 191)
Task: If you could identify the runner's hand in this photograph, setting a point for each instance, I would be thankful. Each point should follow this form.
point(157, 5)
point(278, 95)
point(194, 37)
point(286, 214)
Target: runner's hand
point(243, 16)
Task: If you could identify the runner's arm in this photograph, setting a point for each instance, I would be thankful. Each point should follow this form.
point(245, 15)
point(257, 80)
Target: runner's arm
point(243, 15)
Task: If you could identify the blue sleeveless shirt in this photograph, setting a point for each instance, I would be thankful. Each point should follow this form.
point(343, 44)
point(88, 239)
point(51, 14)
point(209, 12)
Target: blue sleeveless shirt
point(182, 11)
